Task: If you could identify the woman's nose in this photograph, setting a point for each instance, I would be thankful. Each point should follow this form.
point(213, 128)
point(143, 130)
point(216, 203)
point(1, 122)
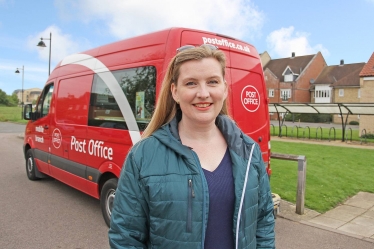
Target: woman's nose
point(203, 91)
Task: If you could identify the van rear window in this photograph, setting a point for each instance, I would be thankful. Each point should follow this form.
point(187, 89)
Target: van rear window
point(138, 87)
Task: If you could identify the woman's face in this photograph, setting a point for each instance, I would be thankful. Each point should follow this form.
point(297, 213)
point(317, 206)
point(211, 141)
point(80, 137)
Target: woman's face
point(200, 91)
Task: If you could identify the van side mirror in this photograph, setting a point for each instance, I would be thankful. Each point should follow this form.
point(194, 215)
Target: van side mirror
point(27, 112)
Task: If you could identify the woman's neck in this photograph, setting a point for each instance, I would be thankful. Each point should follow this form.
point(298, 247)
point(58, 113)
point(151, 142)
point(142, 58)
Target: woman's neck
point(197, 132)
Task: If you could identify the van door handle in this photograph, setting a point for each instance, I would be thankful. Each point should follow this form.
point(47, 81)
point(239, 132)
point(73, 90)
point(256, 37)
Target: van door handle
point(46, 127)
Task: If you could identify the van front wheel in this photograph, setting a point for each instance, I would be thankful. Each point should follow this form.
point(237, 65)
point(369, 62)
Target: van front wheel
point(30, 166)
point(107, 198)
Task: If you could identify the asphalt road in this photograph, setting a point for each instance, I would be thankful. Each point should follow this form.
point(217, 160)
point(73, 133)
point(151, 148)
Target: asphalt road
point(49, 214)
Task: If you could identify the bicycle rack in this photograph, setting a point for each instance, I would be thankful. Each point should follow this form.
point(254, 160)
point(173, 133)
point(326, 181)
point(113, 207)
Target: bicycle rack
point(308, 131)
point(350, 133)
point(297, 131)
point(319, 127)
point(364, 130)
point(330, 133)
point(280, 134)
point(273, 129)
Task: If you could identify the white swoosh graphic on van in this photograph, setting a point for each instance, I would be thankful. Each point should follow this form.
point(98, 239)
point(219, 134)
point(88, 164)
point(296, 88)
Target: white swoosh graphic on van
point(106, 75)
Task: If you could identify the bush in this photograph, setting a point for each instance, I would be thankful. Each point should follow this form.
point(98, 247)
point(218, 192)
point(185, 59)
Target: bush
point(368, 135)
point(353, 123)
point(309, 117)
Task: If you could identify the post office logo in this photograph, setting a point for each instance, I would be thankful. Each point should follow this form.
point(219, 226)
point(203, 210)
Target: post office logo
point(250, 98)
point(56, 138)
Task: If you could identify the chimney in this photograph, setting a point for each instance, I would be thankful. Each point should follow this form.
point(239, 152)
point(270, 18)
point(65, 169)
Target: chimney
point(293, 54)
point(341, 62)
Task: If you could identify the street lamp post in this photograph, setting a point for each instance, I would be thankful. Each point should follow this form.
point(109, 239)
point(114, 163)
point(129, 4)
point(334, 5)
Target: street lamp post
point(17, 71)
point(42, 44)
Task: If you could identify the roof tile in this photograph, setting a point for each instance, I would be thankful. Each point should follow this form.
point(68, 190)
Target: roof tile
point(340, 75)
point(368, 69)
point(297, 64)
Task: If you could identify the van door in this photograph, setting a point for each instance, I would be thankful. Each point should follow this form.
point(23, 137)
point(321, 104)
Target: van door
point(249, 99)
point(42, 132)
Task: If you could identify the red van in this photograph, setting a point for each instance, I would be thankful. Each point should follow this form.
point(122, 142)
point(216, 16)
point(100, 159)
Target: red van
point(95, 104)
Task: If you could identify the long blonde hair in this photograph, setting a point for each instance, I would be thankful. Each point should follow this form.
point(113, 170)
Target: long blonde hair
point(166, 106)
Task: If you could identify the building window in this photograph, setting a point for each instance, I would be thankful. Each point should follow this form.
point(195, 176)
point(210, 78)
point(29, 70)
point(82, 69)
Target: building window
point(271, 93)
point(285, 94)
point(341, 92)
point(288, 78)
point(359, 93)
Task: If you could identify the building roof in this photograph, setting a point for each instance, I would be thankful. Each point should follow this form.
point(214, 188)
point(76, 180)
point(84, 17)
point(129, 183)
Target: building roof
point(327, 108)
point(368, 69)
point(35, 92)
point(297, 64)
point(340, 75)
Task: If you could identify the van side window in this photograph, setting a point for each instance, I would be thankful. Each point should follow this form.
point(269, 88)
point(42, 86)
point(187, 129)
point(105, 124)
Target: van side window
point(72, 99)
point(138, 86)
point(44, 103)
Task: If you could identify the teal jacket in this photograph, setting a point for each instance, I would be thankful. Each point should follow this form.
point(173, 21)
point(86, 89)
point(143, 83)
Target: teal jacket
point(162, 198)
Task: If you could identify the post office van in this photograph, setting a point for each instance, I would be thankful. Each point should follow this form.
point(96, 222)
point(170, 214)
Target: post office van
point(95, 104)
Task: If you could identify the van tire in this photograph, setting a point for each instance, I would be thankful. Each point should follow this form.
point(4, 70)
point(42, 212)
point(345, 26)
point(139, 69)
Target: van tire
point(30, 166)
point(107, 197)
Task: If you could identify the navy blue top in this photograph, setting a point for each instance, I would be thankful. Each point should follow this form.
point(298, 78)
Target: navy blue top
point(219, 232)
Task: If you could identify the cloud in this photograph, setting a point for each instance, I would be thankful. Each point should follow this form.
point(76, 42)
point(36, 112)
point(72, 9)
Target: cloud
point(237, 18)
point(62, 44)
point(284, 41)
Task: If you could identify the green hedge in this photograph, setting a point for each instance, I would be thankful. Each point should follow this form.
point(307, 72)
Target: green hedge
point(310, 118)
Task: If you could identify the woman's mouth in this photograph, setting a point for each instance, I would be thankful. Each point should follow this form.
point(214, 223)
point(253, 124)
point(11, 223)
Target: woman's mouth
point(202, 105)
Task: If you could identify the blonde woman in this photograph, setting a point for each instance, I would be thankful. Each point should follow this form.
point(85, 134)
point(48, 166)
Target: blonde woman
point(195, 180)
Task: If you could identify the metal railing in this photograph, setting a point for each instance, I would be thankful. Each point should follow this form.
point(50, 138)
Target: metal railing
point(301, 177)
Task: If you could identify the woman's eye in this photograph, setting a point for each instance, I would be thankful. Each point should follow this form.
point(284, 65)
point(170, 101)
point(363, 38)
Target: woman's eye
point(213, 82)
point(190, 83)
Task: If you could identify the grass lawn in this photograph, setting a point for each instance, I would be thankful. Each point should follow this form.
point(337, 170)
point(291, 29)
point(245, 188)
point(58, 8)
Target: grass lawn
point(333, 173)
point(12, 114)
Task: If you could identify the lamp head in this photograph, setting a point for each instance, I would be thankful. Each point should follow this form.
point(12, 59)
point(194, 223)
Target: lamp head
point(17, 71)
point(41, 44)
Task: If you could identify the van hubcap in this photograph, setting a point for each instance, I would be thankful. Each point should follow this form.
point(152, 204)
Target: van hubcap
point(110, 200)
point(29, 165)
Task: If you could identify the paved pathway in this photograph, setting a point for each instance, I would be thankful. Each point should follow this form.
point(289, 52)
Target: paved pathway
point(355, 217)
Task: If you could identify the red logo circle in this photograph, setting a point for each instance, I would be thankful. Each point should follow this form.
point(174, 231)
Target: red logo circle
point(250, 98)
point(56, 138)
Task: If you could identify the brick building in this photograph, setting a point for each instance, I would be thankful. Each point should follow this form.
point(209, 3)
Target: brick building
point(288, 80)
point(338, 84)
point(367, 94)
point(28, 95)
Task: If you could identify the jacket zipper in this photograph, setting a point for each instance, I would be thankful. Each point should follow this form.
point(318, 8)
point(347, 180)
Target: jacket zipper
point(191, 194)
point(242, 198)
point(204, 198)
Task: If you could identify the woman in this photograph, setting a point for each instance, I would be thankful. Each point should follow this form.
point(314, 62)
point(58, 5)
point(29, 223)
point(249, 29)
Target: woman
point(194, 180)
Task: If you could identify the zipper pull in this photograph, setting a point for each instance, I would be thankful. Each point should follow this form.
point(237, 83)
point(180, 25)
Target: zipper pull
point(192, 191)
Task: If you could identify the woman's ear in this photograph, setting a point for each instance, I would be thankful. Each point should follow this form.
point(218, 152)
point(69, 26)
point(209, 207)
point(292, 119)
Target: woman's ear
point(173, 89)
point(226, 89)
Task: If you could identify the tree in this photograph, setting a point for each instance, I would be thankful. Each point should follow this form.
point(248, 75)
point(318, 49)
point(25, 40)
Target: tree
point(13, 99)
point(8, 100)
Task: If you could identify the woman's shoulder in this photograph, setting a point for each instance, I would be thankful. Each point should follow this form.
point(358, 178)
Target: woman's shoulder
point(146, 144)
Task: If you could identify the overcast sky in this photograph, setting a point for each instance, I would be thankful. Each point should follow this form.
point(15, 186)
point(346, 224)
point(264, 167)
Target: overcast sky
point(338, 29)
